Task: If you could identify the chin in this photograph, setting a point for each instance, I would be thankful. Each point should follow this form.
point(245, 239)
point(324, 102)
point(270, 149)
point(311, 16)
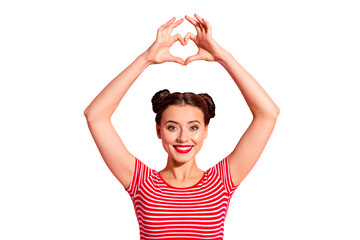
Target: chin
point(182, 158)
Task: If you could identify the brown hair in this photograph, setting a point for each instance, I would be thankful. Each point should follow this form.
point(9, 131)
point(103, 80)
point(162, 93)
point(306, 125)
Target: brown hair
point(163, 99)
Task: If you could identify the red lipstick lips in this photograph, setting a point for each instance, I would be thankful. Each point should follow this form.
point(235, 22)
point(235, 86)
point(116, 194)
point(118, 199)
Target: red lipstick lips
point(183, 148)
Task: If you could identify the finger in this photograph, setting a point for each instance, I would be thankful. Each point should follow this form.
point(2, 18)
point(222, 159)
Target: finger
point(200, 22)
point(192, 58)
point(199, 19)
point(177, 37)
point(188, 36)
point(193, 22)
point(177, 23)
point(176, 59)
point(208, 26)
point(167, 23)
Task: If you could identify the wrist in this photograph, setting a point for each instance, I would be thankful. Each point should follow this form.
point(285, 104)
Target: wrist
point(224, 57)
point(218, 52)
point(146, 58)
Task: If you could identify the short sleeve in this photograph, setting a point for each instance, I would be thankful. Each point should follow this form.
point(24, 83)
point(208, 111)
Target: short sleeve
point(140, 173)
point(223, 170)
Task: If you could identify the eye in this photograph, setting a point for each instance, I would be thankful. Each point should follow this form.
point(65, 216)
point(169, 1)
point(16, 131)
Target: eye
point(171, 128)
point(194, 127)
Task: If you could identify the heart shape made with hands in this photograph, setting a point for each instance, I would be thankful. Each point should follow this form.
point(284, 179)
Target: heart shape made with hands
point(189, 49)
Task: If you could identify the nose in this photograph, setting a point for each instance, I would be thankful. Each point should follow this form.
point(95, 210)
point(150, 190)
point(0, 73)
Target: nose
point(182, 137)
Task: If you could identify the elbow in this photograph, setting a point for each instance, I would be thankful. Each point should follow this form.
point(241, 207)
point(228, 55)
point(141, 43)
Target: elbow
point(270, 113)
point(86, 112)
point(88, 115)
point(275, 112)
point(92, 116)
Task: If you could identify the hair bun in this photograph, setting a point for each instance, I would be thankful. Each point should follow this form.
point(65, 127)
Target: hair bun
point(158, 98)
point(209, 102)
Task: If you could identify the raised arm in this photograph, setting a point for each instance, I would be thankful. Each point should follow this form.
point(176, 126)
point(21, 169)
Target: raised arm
point(98, 114)
point(252, 143)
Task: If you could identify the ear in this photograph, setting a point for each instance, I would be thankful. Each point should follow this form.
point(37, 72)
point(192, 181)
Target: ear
point(158, 131)
point(206, 131)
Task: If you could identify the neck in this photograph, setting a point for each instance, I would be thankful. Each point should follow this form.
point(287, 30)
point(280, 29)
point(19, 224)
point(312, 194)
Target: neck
point(181, 171)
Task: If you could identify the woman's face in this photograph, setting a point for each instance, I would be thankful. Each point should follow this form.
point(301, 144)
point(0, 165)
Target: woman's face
point(182, 131)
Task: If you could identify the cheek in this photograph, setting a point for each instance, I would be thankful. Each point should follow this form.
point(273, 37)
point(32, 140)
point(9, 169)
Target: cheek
point(198, 137)
point(168, 138)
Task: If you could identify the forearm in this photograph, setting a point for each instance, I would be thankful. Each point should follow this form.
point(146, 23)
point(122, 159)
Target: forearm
point(105, 103)
point(259, 102)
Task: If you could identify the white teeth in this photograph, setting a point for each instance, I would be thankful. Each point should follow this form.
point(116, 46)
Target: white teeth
point(183, 148)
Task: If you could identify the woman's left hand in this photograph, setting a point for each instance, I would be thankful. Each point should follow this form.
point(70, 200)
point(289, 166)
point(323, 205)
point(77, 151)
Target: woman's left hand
point(209, 50)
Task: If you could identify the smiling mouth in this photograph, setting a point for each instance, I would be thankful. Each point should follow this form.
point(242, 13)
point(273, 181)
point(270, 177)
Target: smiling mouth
point(183, 148)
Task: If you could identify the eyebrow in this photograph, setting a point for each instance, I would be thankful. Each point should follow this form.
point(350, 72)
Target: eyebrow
point(171, 121)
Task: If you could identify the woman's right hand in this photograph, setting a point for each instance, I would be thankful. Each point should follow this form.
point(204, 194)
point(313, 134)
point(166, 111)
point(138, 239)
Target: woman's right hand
point(159, 51)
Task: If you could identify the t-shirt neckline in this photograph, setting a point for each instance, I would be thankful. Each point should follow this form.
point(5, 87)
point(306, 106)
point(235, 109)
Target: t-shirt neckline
point(194, 185)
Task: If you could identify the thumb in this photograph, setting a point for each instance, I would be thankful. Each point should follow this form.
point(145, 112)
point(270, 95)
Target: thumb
point(193, 58)
point(176, 59)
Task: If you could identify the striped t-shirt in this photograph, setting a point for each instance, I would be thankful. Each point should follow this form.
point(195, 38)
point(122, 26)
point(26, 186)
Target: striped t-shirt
point(168, 213)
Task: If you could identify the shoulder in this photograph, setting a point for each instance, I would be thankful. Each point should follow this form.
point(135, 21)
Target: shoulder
point(141, 173)
point(221, 171)
point(219, 166)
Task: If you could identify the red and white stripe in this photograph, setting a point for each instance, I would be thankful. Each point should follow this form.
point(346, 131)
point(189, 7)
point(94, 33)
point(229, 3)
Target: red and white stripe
point(168, 213)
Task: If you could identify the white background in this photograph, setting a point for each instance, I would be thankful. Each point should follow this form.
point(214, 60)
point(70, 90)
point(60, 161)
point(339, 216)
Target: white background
point(56, 56)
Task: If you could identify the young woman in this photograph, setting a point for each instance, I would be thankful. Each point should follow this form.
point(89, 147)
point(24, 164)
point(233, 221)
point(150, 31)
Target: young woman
point(182, 201)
